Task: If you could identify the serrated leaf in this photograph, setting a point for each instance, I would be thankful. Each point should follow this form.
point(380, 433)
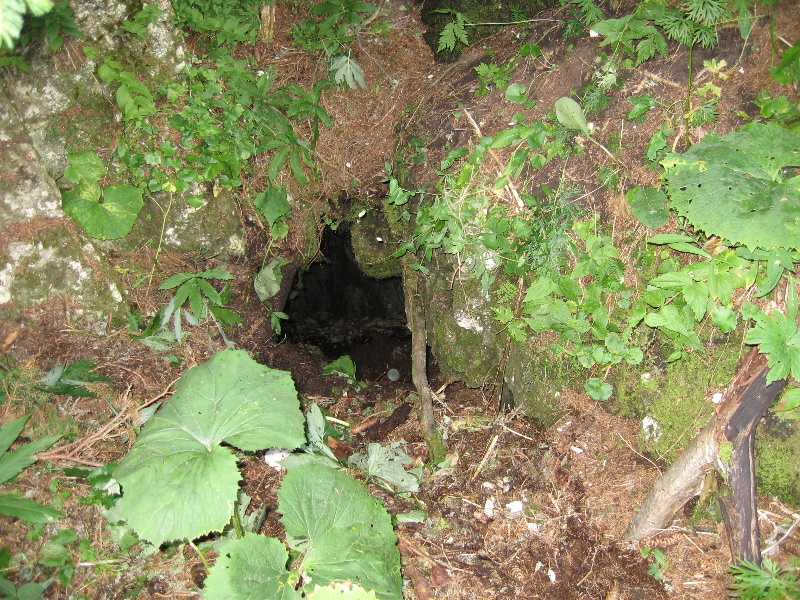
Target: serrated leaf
point(178, 482)
point(110, 219)
point(343, 533)
point(27, 510)
point(345, 70)
point(252, 568)
point(732, 186)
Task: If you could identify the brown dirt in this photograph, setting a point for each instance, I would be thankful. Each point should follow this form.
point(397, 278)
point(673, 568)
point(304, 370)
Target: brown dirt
point(579, 482)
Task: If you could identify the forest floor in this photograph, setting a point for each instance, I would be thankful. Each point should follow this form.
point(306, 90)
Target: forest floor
point(522, 511)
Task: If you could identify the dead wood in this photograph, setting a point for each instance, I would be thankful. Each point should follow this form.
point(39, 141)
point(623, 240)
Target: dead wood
point(733, 426)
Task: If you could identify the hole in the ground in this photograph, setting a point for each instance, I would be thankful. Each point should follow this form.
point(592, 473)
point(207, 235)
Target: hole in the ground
point(337, 308)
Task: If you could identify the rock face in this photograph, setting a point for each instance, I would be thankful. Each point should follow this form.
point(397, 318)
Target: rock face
point(61, 106)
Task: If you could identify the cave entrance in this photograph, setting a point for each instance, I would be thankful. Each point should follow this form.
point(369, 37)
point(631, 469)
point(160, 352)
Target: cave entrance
point(334, 306)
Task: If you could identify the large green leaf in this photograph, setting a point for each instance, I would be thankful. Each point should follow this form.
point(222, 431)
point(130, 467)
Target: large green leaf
point(342, 531)
point(110, 218)
point(252, 568)
point(739, 186)
point(178, 482)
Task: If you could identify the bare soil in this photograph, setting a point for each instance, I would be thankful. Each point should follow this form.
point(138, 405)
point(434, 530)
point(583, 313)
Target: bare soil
point(522, 511)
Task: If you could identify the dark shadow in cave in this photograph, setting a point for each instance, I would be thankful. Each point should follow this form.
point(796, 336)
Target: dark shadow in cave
point(334, 306)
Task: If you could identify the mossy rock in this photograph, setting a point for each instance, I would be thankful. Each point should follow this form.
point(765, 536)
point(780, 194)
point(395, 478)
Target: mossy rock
point(374, 245)
point(54, 262)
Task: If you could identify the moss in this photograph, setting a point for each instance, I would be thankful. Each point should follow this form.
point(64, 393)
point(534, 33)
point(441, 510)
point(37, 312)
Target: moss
point(672, 394)
point(374, 244)
point(778, 465)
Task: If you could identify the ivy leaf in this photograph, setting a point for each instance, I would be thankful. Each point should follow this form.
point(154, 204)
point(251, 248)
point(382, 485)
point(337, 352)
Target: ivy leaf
point(178, 481)
point(733, 186)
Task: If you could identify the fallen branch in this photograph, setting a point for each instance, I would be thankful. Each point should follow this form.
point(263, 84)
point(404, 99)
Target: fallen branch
point(69, 452)
point(729, 432)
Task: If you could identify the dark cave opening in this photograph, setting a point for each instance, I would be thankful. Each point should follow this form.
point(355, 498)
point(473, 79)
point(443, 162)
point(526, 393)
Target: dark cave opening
point(335, 307)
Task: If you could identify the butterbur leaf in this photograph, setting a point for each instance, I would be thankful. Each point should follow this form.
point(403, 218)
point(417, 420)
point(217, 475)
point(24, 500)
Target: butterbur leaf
point(178, 482)
point(734, 187)
point(342, 532)
point(252, 568)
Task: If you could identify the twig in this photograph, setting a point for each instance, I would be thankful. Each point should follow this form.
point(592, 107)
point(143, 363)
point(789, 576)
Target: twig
point(485, 457)
point(530, 439)
point(785, 535)
point(69, 451)
point(642, 456)
point(500, 166)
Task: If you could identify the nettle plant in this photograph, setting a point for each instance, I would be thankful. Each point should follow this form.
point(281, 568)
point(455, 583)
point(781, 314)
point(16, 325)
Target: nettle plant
point(230, 406)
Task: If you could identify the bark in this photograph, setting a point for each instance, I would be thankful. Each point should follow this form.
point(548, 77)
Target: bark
point(415, 314)
point(734, 423)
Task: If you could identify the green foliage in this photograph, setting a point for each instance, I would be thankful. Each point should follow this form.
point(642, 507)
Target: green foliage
point(336, 27)
point(659, 564)
point(230, 399)
point(386, 463)
point(789, 69)
point(741, 186)
point(766, 581)
point(105, 213)
point(648, 206)
point(12, 13)
point(345, 70)
point(205, 302)
point(454, 32)
point(267, 284)
point(345, 368)
point(492, 74)
point(55, 24)
point(340, 532)
point(223, 22)
point(12, 464)
point(149, 15)
point(778, 337)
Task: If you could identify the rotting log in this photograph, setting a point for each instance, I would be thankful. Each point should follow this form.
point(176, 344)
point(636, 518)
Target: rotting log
point(415, 315)
point(732, 427)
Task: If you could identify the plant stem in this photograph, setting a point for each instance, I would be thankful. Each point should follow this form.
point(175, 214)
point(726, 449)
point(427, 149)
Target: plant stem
point(688, 107)
point(202, 557)
point(160, 241)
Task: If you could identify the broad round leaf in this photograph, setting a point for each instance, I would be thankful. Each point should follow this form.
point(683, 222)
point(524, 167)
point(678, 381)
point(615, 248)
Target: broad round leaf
point(734, 186)
point(251, 568)
point(178, 482)
point(649, 206)
point(342, 531)
point(107, 220)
